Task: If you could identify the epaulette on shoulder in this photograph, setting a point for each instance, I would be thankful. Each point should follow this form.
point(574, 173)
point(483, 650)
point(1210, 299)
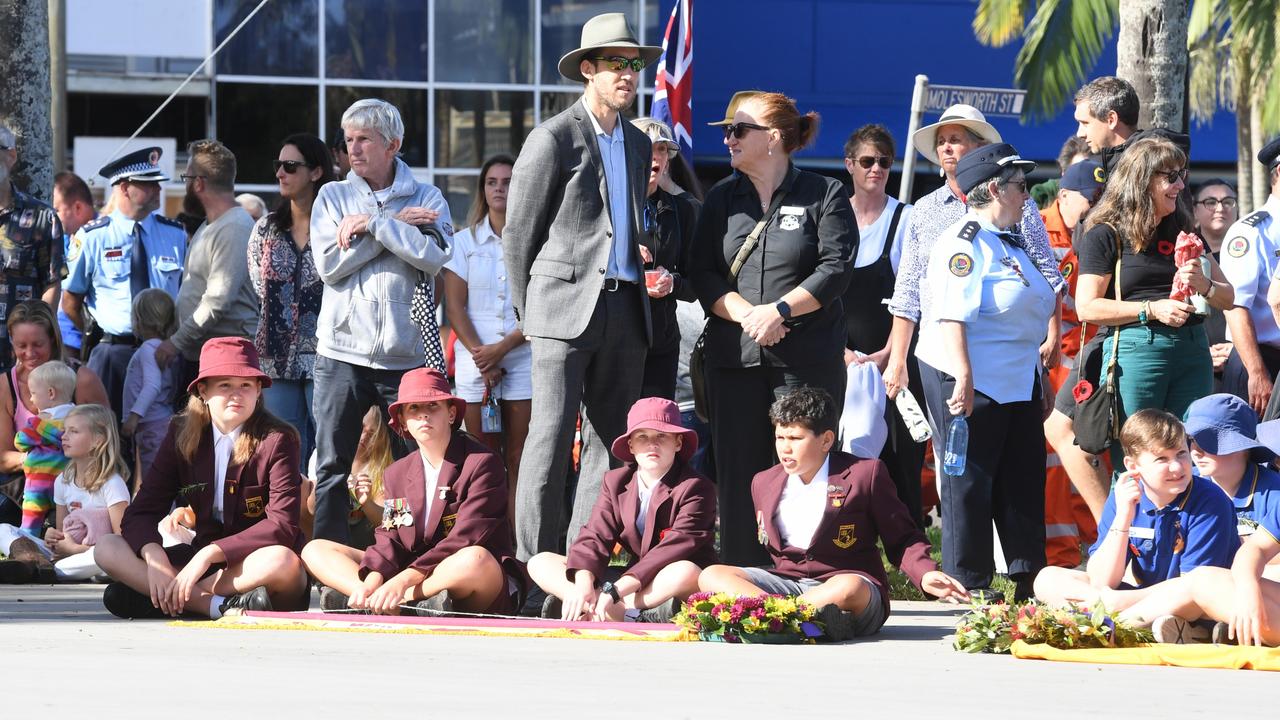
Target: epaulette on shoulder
point(969, 231)
point(101, 222)
point(170, 222)
point(1256, 219)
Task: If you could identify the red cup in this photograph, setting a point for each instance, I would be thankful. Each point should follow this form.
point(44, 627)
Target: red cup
point(651, 278)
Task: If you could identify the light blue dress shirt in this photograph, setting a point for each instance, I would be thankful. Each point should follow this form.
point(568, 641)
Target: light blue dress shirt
point(613, 154)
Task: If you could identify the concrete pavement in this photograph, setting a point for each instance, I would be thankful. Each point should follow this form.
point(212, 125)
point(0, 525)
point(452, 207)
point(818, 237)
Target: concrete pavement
point(66, 654)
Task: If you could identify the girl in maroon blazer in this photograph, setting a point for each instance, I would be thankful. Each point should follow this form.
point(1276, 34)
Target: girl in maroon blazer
point(444, 543)
point(658, 509)
point(236, 465)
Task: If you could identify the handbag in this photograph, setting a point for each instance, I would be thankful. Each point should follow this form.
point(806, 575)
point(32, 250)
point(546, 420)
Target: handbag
point(697, 357)
point(1097, 418)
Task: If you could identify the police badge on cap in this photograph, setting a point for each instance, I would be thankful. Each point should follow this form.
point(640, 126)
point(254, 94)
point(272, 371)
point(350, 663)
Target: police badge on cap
point(141, 165)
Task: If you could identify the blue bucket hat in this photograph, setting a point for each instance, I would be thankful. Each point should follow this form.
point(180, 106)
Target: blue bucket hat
point(1222, 424)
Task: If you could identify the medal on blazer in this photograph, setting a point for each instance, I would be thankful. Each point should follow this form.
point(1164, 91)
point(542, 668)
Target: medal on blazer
point(762, 535)
point(444, 491)
point(835, 494)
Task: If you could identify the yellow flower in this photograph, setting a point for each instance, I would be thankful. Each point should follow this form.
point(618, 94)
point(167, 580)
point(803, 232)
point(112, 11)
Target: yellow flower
point(725, 616)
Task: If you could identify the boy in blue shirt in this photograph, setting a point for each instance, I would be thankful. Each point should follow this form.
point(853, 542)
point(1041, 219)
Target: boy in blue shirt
point(1159, 524)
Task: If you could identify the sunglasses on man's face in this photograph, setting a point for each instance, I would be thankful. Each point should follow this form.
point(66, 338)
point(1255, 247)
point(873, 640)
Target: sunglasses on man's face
point(290, 166)
point(739, 129)
point(617, 63)
point(866, 161)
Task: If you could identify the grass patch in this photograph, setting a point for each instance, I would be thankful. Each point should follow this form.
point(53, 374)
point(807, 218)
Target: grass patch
point(901, 587)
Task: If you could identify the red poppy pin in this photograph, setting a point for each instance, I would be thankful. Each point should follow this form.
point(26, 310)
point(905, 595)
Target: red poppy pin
point(1165, 247)
point(1082, 391)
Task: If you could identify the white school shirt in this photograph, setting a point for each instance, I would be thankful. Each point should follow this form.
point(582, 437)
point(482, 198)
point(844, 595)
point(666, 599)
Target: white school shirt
point(645, 495)
point(223, 446)
point(871, 238)
point(432, 475)
point(801, 508)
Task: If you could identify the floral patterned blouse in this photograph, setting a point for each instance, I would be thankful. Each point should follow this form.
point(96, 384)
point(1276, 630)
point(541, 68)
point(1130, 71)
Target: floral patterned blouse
point(289, 291)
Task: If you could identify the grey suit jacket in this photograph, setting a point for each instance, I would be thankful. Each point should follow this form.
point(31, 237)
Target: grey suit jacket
point(559, 230)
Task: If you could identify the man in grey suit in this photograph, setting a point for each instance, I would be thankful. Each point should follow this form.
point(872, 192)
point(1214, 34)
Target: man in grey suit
point(574, 224)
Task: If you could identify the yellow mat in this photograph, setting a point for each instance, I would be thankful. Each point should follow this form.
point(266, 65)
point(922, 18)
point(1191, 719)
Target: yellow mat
point(1229, 657)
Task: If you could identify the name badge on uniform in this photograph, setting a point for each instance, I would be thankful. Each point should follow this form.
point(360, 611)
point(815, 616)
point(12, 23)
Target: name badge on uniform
point(791, 215)
point(114, 254)
point(1142, 533)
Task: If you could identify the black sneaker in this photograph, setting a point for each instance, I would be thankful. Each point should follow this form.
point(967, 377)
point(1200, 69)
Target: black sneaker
point(331, 600)
point(125, 602)
point(660, 614)
point(1221, 634)
point(987, 596)
point(438, 605)
point(17, 572)
point(256, 599)
point(552, 607)
point(1024, 588)
point(836, 624)
point(534, 601)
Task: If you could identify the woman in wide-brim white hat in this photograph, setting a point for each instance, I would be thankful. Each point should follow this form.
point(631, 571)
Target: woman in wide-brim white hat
point(603, 32)
point(957, 118)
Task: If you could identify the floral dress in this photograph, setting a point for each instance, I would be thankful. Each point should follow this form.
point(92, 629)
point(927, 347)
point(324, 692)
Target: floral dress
point(289, 290)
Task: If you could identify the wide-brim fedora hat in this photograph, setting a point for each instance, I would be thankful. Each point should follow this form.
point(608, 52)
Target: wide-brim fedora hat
point(736, 102)
point(660, 415)
point(609, 30)
point(966, 115)
point(421, 386)
point(229, 357)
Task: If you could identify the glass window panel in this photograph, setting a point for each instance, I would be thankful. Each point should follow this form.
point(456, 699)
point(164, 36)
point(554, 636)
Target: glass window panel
point(562, 22)
point(412, 105)
point(554, 103)
point(458, 191)
point(253, 119)
point(489, 41)
point(472, 125)
point(386, 40)
point(280, 40)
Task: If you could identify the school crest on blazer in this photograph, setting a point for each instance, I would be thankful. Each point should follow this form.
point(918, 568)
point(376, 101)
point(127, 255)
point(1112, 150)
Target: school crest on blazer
point(253, 507)
point(846, 536)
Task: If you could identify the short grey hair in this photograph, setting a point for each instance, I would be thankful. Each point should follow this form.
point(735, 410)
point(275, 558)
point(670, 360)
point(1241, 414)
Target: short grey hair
point(981, 196)
point(373, 114)
point(7, 137)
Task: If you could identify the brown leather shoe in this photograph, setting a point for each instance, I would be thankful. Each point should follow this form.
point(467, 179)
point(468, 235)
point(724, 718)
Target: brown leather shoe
point(25, 551)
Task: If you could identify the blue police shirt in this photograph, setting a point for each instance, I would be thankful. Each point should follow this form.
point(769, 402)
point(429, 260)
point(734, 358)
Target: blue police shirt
point(70, 333)
point(1250, 259)
point(1197, 528)
point(1257, 503)
point(99, 267)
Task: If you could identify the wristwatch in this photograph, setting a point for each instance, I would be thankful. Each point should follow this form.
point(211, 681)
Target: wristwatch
point(609, 589)
point(783, 309)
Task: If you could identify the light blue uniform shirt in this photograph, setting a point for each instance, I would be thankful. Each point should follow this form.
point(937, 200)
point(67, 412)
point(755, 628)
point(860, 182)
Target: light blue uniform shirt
point(1250, 258)
point(99, 268)
point(994, 288)
point(70, 333)
point(613, 154)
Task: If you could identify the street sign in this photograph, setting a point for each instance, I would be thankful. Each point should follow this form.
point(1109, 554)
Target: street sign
point(1000, 102)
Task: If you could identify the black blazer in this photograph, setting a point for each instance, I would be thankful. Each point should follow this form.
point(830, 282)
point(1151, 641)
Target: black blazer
point(669, 244)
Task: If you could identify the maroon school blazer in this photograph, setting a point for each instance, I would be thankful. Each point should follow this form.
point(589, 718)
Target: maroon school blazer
point(470, 508)
point(861, 506)
point(679, 525)
point(260, 502)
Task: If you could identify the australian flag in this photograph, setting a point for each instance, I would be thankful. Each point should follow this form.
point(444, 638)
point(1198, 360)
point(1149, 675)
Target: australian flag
point(673, 86)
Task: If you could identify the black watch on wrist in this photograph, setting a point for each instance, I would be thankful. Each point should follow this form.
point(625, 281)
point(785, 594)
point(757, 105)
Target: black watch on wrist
point(783, 309)
point(612, 591)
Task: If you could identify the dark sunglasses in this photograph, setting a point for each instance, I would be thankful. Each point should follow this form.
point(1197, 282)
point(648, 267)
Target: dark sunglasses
point(290, 166)
point(617, 63)
point(866, 161)
point(1229, 203)
point(1173, 176)
point(739, 129)
point(1021, 185)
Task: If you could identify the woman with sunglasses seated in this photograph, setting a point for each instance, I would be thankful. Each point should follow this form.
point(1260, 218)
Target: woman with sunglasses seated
point(288, 287)
point(779, 323)
point(1163, 359)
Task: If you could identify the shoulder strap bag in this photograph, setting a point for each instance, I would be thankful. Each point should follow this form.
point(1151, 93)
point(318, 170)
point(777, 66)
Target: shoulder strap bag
point(1095, 388)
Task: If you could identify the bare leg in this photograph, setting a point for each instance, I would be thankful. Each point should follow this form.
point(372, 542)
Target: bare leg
point(1170, 597)
point(847, 591)
point(275, 567)
point(307, 512)
point(472, 576)
point(677, 580)
point(1087, 472)
point(515, 423)
point(333, 564)
point(1214, 591)
point(471, 418)
point(549, 571)
point(1064, 586)
point(727, 579)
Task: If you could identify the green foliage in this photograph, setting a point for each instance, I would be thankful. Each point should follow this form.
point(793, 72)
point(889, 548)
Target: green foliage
point(1062, 44)
point(739, 618)
point(901, 587)
point(999, 22)
point(993, 628)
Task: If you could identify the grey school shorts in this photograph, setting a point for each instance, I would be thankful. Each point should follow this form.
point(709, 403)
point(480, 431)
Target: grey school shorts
point(867, 622)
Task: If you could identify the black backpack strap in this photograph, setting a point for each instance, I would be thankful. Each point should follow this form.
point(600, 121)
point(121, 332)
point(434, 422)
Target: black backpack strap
point(893, 231)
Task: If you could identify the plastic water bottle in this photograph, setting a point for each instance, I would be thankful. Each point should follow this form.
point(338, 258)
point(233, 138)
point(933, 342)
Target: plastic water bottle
point(957, 451)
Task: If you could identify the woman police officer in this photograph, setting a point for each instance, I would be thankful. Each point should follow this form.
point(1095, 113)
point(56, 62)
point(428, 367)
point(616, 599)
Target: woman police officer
point(979, 356)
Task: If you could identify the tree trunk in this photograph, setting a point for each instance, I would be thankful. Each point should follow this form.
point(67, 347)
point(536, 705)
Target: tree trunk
point(1152, 55)
point(1261, 183)
point(1241, 70)
point(24, 91)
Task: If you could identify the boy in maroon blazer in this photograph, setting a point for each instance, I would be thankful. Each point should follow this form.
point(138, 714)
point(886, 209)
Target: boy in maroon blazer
point(444, 543)
point(658, 508)
point(819, 513)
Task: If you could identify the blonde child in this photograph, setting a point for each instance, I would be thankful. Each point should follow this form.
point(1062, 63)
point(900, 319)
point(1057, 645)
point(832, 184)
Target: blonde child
point(52, 387)
point(90, 497)
point(148, 387)
point(373, 456)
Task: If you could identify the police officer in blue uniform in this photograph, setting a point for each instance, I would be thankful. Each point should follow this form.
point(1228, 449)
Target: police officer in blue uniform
point(119, 255)
point(979, 355)
point(1250, 258)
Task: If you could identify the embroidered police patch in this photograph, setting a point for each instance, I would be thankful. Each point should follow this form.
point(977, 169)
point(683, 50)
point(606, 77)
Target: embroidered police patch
point(1237, 247)
point(960, 265)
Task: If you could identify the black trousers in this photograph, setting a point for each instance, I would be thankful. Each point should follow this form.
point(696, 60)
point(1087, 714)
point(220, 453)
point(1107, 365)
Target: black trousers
point(1235, 379)
point(1003, 481)
point(903, 455)
point(742, 442)
point(660, 373)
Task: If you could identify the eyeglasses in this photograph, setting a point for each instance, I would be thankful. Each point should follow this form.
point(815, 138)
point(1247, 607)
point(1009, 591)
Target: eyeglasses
point(1173, 176)
point(290, 166)
point(617, 63)
point(1021, 185)
point(188, 178)
point(866, 161)
point(1227, 203)
point(739, 129)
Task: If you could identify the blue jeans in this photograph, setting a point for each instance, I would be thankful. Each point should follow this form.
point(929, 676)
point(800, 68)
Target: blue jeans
point(290, 400)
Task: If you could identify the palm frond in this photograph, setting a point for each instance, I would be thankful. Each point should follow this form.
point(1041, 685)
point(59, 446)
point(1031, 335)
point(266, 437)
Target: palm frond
point(998, 22)
point(1063, 43)
point(1207, 16)
point(1255, 25)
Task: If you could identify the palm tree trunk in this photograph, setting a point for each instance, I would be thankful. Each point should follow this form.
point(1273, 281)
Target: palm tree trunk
point(1261, 184)
point(24, 91)
point(1244, 134)
point(1152, 55)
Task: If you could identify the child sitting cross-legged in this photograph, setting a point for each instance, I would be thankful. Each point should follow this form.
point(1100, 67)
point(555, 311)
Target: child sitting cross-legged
point(1159, 523)
point(658, 508)
point(819, 512)
point(444, 544)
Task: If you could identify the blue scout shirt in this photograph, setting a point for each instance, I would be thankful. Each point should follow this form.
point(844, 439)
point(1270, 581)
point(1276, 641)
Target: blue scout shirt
point(1250, 259)
point(1257, 503)
point(1197, 528)
point(99, 269)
